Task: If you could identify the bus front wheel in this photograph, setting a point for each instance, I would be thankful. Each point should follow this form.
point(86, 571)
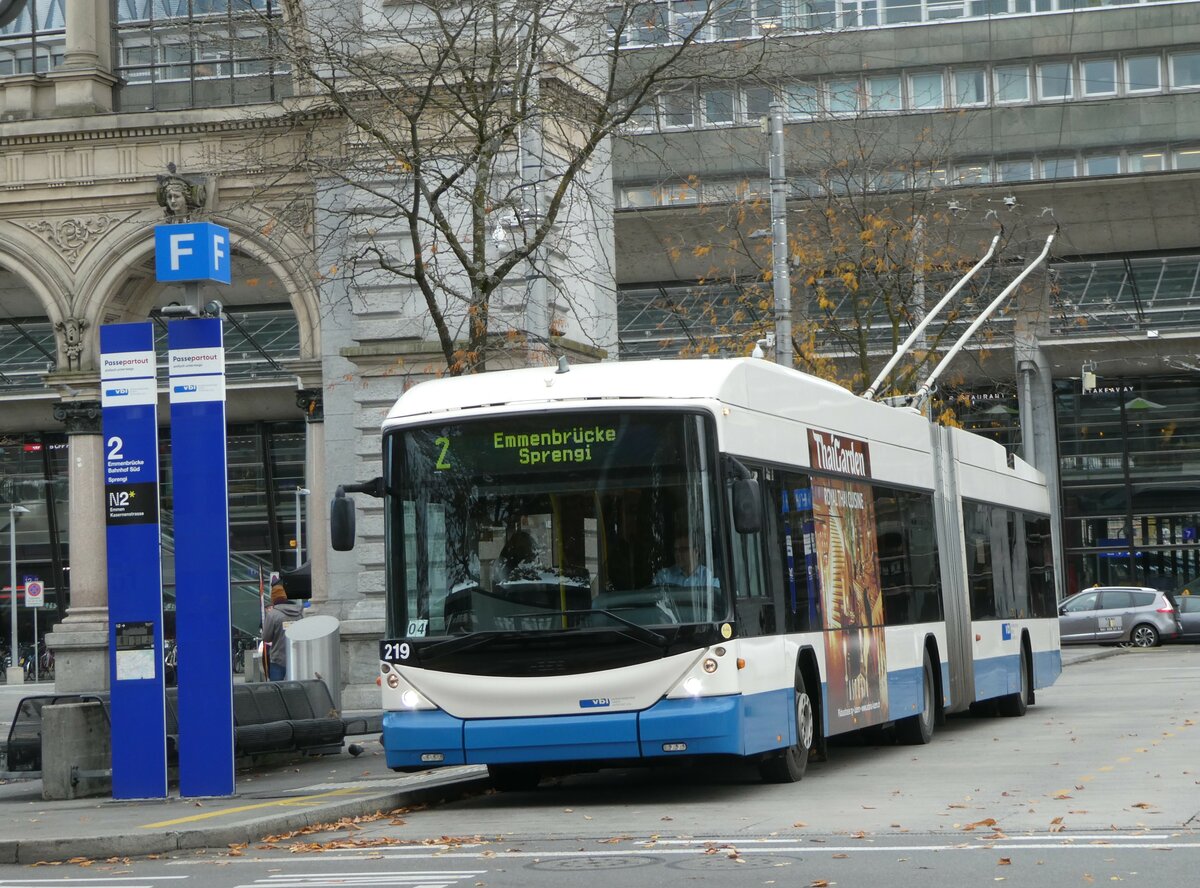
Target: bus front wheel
point(788, 765)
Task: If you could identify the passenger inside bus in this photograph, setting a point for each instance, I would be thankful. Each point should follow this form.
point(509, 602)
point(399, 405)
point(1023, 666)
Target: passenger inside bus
point(517, 557)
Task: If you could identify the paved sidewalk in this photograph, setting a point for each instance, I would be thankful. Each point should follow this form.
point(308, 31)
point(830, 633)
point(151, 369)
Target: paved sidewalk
point(268, 801)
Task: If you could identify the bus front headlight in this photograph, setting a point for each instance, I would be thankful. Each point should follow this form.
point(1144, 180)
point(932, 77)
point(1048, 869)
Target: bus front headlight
point(399, 695)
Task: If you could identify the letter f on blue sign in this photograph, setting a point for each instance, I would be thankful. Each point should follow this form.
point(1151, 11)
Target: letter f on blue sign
point(197, 251)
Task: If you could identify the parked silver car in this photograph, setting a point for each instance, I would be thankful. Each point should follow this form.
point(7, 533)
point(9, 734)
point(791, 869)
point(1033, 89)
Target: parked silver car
point(1133, 614)
point(1187, 601)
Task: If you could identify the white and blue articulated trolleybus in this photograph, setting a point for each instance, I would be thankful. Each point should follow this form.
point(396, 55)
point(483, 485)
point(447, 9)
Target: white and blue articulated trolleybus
point(651, 560)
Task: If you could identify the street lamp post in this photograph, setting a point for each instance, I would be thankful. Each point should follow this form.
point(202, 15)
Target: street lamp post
point(15, 675)
point(300, 491)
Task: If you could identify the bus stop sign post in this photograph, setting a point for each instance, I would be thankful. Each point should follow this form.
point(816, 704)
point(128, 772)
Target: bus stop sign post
point(35, 598)
point(202, 610)
point(188, 254)
point(129, 402)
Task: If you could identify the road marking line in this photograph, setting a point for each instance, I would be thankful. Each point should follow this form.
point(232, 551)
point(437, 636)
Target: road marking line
point(278, 803)
point(807, 850)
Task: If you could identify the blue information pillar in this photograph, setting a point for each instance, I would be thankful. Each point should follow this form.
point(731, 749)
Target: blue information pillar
point(129, 399)
point(202, 620)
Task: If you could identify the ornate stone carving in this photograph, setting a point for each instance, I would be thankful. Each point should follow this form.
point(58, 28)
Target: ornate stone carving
point(179, 197)
point(312, 403)
point(80, 417)
point(72, 333)
point(71, 236)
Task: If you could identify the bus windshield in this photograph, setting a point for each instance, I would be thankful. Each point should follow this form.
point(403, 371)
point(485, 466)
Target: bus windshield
point(552, 522)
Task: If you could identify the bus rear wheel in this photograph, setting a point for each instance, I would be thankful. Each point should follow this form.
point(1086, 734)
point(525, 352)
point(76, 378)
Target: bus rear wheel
point(917, 730)
point(788, 765)
point(1014, 705)
point(514, 778)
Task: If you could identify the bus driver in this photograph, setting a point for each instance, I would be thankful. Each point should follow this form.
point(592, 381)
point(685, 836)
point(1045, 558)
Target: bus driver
point(687, 570)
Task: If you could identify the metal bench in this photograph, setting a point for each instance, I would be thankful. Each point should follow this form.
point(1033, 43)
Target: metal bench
point(268, 717)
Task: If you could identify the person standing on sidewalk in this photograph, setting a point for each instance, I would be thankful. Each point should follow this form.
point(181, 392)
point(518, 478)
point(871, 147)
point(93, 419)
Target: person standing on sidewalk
point(281, 614)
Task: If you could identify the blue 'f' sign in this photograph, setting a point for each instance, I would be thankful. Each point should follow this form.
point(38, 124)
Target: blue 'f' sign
point(197, 251)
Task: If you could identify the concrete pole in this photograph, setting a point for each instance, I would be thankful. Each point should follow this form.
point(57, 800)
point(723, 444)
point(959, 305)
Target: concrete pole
point(15, 675)
point(780, 277)
point(80, 640)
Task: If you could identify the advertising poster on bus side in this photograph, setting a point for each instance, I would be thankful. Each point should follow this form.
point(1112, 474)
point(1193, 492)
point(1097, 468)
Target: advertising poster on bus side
point(848, 565)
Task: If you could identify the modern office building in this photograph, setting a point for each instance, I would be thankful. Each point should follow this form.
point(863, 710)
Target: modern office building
point(1031, 114)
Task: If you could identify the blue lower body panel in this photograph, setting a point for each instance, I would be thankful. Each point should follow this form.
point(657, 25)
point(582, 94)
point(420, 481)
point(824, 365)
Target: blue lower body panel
point(906, 692)
point(733, 725)
point(1047, 667)
point(997, 676)
point(558, 738)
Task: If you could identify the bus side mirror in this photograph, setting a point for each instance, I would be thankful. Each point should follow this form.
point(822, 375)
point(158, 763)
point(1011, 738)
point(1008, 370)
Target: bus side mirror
point(341, 522)
point(747, 506)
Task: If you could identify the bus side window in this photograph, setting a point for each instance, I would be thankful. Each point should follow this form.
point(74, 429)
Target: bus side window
point(790, 495)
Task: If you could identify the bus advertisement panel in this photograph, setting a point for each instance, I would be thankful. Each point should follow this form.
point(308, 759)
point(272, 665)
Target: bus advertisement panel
point(848, 565)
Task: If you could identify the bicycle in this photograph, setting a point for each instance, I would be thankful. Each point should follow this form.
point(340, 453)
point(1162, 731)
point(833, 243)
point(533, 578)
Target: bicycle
point(241, 644)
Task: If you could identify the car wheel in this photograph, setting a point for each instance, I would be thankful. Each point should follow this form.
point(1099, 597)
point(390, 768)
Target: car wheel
point(917, 730)
point(788, 765)
point(1144, 636)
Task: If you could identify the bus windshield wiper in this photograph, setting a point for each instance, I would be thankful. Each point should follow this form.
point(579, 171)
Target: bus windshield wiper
point(633, 630)
point(479, 639)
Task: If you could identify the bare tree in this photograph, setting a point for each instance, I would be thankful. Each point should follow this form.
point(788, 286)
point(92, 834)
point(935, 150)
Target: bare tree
point(459, 153)
point(880, 222)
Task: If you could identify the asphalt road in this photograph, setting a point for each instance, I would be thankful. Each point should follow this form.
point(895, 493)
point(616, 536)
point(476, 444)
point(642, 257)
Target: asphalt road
point(1098, 783)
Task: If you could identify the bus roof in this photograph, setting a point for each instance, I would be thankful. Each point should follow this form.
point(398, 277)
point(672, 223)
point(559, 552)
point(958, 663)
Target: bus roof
point(731, 381)
point(752, 384)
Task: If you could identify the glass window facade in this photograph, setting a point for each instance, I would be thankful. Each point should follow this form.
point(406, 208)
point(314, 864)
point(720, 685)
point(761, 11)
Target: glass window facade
point(197, 54)
point(33, 475)
point(1130, 476)
point(35, 41)
point(266, 465)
